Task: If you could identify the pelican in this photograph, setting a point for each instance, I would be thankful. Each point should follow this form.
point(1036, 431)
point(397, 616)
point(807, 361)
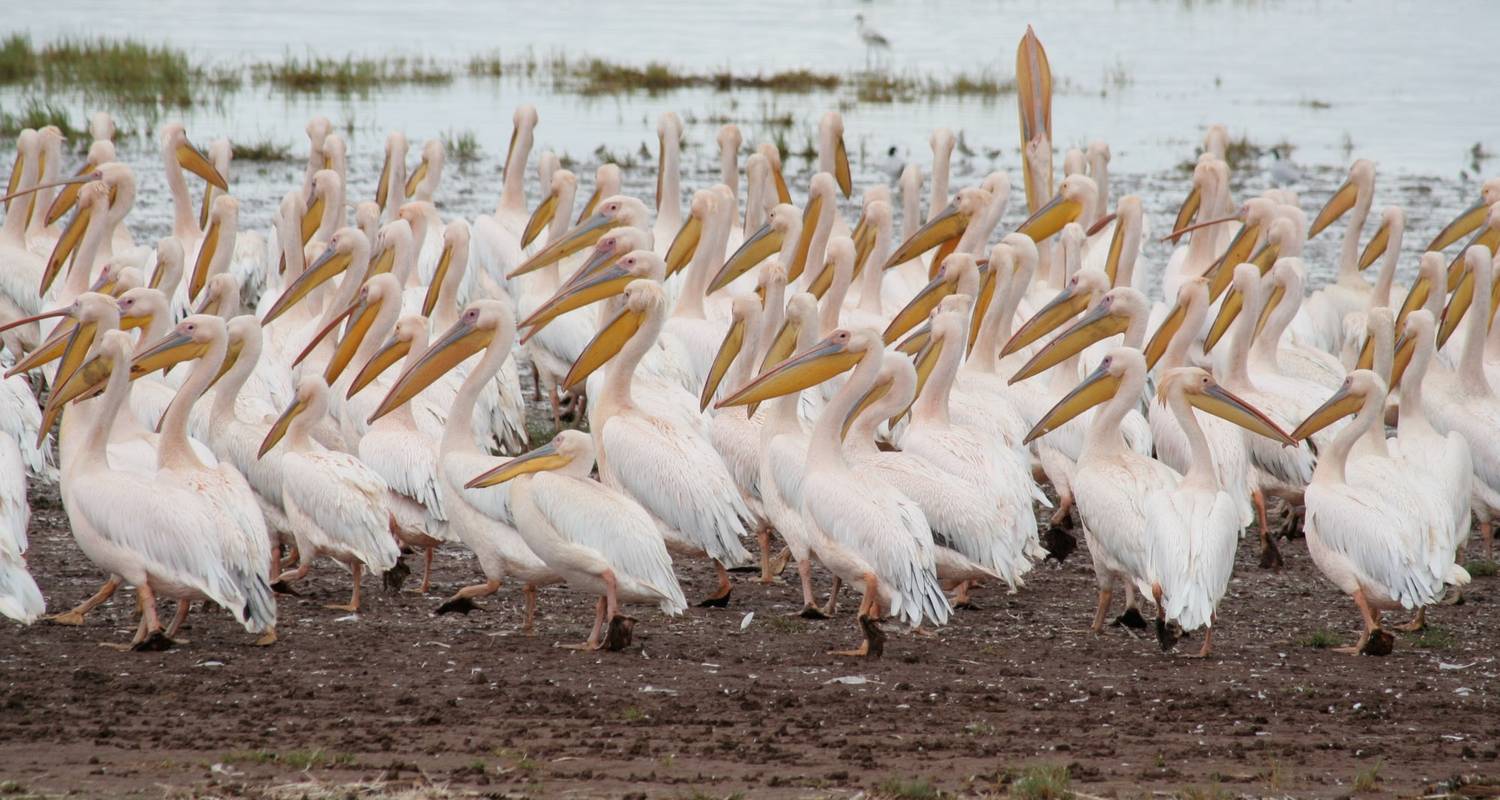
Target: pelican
point(178, 153)
point(663, 459)
point(556, 346)
point(1271, 353)
point(833, 157)
point(1349, 292)
point(1464, 400)
point(19, 296)
point(1113, 483)
point(249, 261)
point(390, 189)
point(1210, 188)
point(601, 541)
point(1365, 540)
point(333, 501)
point(607, 182)
point(863, 529)
point(42, 230)
point(404, 456)
point(480, 517)
point(20, 458)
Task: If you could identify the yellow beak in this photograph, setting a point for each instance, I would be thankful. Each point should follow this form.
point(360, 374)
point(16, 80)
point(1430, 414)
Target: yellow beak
point(1337, 206)
point(542, 459)
point(393, 351)
point(312, 218)
point(332, 262)
point(864, 243)
point(841, 168)
point(1050, 218)
point(870, 398)
point(822, 361)
point(585, 234)
point(589, 206)
point(363, 316)
point(1458, 305)
point(66, 198)
point(605, 344)
point(1228, 311)
point(195, 162)
point(1265, 257)
point(1377, 246)
point(205, 257)
point(684, 245)
point(1405, 349)
point(1489, 237)
point(602, 286)
point(783, 194)
point(439, 275)
point(1034, 85)
point(756, 248)
point(950, 223)
point(169, 351)
point(90, 376)
point(281, 426)
point(1095, 326)
point(1221, 274)
point(67, 243)
point(810, 216)
point(920, 306)
point(916, 340)
point(415, 179)
point(1278, 292)
point(1216, 400)
point(455, 346)
point(1157, 346)
point(1115, 254)
point(987, 283)
point(729, 350)
point(1343, 403)
point(1067, 304)
point(231, 357)
point(1416, 297)
point(48, 350)
point(1185, 214)
point(1098, 387)
point(383, 188)
point(1461, 226)
point(539, 219)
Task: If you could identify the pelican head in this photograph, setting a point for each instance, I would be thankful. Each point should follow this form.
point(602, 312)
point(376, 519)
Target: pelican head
point(220, 297)
point(396, 147)
point(84, 318)
point(1392, 226)
point(613, 212)
point(379, 297)
point(309, 404)
point(483, 324)
point(93, 209)
point(1190, 309)
point(685, 243)
point(1352, 396)
point(562, 186)
point(1361, 184)
point(1246, 278)
point(455, 251)
point(1115, 312)
point(773, 161)
point(224, 213)
point(833, 157)
point(410, 334)
point(327, 188)
point(835, 354)
point(606, 184)
point(348, 246)
point(643, 300)
point(947, 225)
point(1075, 194)
point(1202, 392)
point(1470, 218)
point(190, 339)
point(785, 224)
point(744, 311)
point(175, 142)
point(1082, 288)
point(959, 273)
point(570, 453)
point(1123, 366)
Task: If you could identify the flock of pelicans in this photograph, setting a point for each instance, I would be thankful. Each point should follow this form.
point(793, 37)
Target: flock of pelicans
point(232, 406)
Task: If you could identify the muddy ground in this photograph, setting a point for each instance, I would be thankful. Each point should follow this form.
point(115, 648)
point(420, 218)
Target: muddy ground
point(1007, 699)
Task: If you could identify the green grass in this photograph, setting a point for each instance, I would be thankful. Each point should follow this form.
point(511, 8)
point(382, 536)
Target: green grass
point(296, 759)
point(1322, 639)
point(264, 150)
point(1368, 780)
point(908, 789)
point(349, 75)
point(462, 147)
point(1434, 638)
point(633, 714)
point(249, 757)
point(127, 70)
point(1042, 782)
point(1481, 569)
point(36, 113)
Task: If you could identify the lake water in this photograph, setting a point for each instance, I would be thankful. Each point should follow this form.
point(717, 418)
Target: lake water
point(1386, 80)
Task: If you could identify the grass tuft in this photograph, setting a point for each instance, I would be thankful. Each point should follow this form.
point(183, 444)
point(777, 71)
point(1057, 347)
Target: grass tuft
point(1434, 638)
point(1481, 569)
point(264, 150)
point(350, 75)
point(1368, 780)
point(1042, 782)
point(908, 789)
point(1322, 639)
point(127, 70)
point(462, 147)
point(36, 114)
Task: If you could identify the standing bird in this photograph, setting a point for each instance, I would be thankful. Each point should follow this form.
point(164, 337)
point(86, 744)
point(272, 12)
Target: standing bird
point(875, 42)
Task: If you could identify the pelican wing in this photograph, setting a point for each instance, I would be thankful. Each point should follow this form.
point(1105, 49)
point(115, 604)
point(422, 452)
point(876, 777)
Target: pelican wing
point(492, 501)
point(20, 417)
point(676, 475)
point(344, 499)
point(1360, 527)
point(595, 516)
point(407, 462)
point(1192, 536)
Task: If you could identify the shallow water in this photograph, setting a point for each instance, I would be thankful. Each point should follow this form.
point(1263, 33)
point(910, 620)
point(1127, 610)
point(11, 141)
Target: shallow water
point(1337, 80)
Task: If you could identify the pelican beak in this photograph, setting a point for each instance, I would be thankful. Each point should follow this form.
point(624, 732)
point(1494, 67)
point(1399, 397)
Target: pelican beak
point(539, 219)
point(281, 426)
point(1098, 387)
point(841, 167)
point(940, 255)
point(1051, 218)
point(870, 398)
point(1278, 292)
point(949, 224)
point(206, 252)
point(1405, 349)
point(1116, 252)
point(1377, 246)
point(138, 319)
point(392, 352)
point(821, 284)
point(68, 197)
point(439, 275)
point(822, 361)
point(1034, 83)
point(756, 248)
point(586, 233)
point(1337, 206)
point(415, 179)
point(1489, 237)
point(926, 362)
point(208, 200)
point(87, 378)
point(312, 218)
point(542, 459)
point(920, 306)
point(684, 245)
point(783, 194)
point(810, 217)
point(66, 245)
point(1157, 346)
point(729, 349)
point(1185, 214)
point(1461, 226)
point(782, 347)
point(53, 348)
point(1067, 304)
point(1179, 232)
point(981, 304)
point(1343, 403)
point(457, 344)
point(231, 357)
point(165, 353)
point(362, 316)
point(589, 206)
point(1234, 301)
point(383, 261)
point(383, 188)
point(1416, 297)
point(195, 162)
point(1266, 256)
point(605, 344)
point(1095, 326)
point(601, 286)
point(1458, 305)
point(105, 283)
point(1216, 400)
point(332, 262)
point(1221, 274)
point(864, 243)
point(15, 177)
point(916, 340)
